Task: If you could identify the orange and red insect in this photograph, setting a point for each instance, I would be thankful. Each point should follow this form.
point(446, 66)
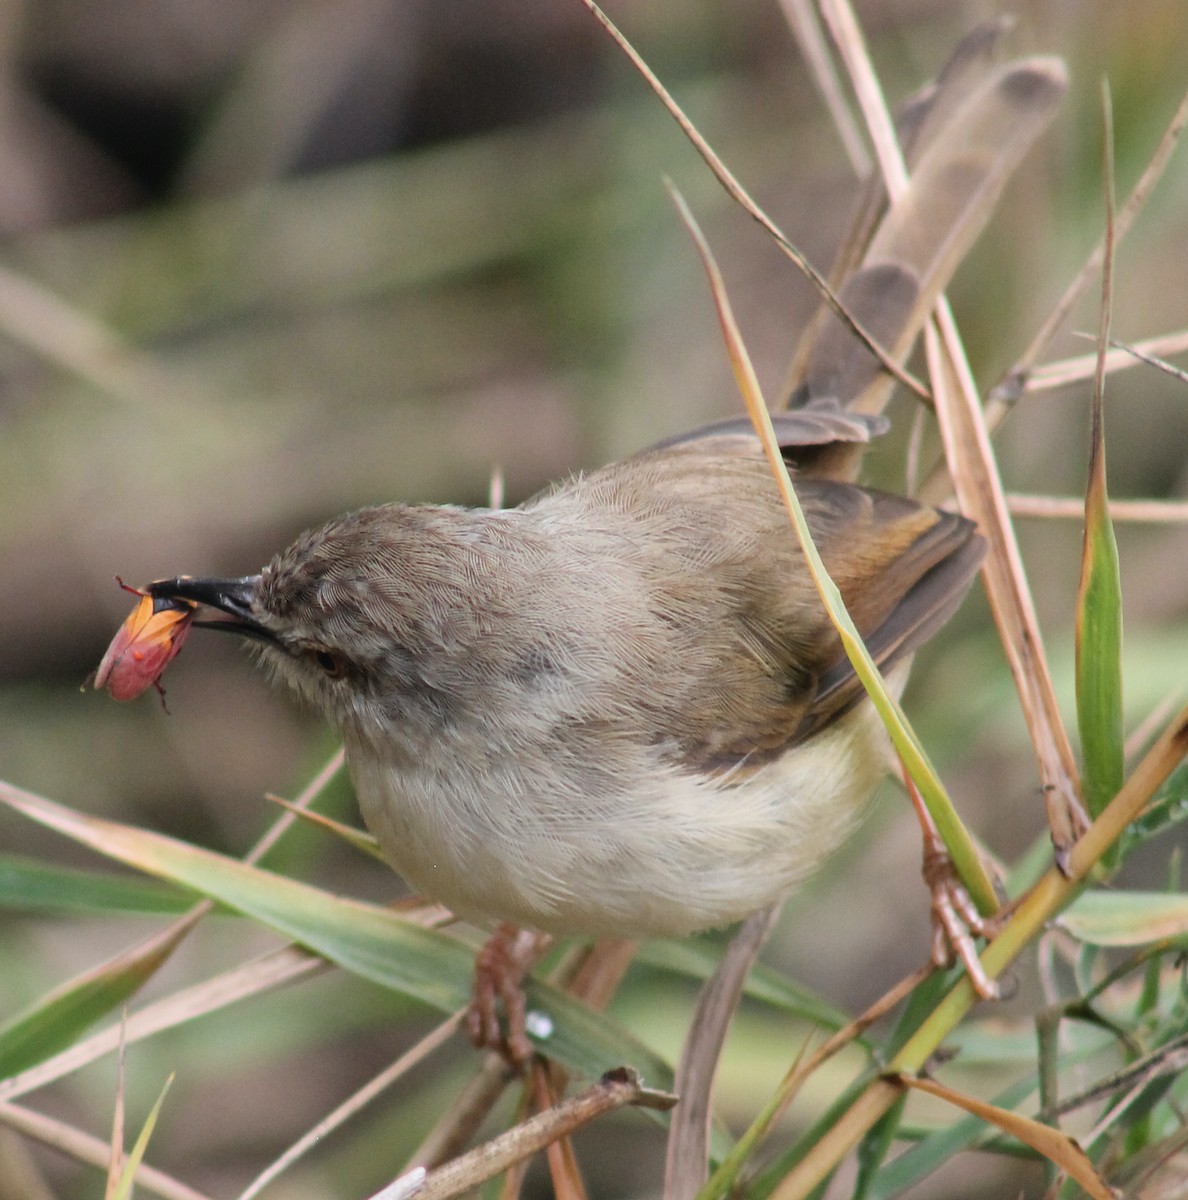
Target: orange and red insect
point(146, 643)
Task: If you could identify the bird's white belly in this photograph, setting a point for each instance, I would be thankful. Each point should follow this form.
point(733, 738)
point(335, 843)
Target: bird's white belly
point(691, 853)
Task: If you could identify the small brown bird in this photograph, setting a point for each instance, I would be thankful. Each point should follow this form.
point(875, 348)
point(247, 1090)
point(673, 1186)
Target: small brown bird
point(620, 708)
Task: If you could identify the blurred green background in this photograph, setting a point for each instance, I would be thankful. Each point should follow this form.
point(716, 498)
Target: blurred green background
point(265, 262)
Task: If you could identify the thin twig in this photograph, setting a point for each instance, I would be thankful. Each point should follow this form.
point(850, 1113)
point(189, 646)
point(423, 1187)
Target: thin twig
point(739, 194)
point(1023, 504)
point(354, 1103)
point(1067, 371)
point(614, 1090)
point(802, 18)
point(1151, 360)
point(1004, 395)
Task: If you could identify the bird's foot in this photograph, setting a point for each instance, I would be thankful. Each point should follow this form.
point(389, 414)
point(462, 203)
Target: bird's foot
point(956, 921)
point(499, 971)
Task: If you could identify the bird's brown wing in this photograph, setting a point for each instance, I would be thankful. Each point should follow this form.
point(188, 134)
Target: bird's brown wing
point(761, 667)
point(919, 582)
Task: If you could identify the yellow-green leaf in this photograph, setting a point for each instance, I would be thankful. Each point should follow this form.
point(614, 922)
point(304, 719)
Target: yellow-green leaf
point(123, 1188)
point(1104, 918)
point(27, 885)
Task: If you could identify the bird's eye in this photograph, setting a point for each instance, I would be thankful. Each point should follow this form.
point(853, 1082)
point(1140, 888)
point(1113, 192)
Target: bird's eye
point(333, 665)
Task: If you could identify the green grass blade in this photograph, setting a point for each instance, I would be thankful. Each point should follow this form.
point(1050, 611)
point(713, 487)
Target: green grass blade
point(59, 1019)
point(367, 940)
point(28, 885)
point(1099, 642)
point(1099, 597)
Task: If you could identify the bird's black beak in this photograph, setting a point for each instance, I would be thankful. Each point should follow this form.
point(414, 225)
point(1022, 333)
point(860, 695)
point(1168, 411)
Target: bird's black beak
point(231, 596)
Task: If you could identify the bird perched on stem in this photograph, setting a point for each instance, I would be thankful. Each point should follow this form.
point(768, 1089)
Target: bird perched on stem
point(620, 709)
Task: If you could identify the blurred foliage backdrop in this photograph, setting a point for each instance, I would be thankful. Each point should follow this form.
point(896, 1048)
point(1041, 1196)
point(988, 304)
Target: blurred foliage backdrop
point(264, 262)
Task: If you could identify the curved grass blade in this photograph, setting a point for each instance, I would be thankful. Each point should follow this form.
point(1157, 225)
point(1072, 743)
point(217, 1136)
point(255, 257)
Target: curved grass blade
point(59, 1019)
point(1055, 1146)
point(936, 1149)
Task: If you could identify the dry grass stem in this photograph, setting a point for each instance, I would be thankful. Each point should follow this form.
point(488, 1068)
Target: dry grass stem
point(548, 1086)
point(594, 973)
point(1151, 360)
point(117, 1156)
point(686, 1165)
point(462, 1120)
point(1004, 395)
point(254, 978)
point(613, 1091)
point(86, 1148)
point(975, 476)
point(250, 979)
point(355, 1104)
point(802, 19)
point(74, 341)
point(312, 790)
point(847, 35)
point(1051, 376)
point(1148, 728)
point(1152, 512)
point(739, 194)
point(978, 485)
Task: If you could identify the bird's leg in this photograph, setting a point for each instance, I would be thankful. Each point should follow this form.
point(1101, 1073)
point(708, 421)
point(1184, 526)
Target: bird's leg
point(955, 918)
point(499, 970)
